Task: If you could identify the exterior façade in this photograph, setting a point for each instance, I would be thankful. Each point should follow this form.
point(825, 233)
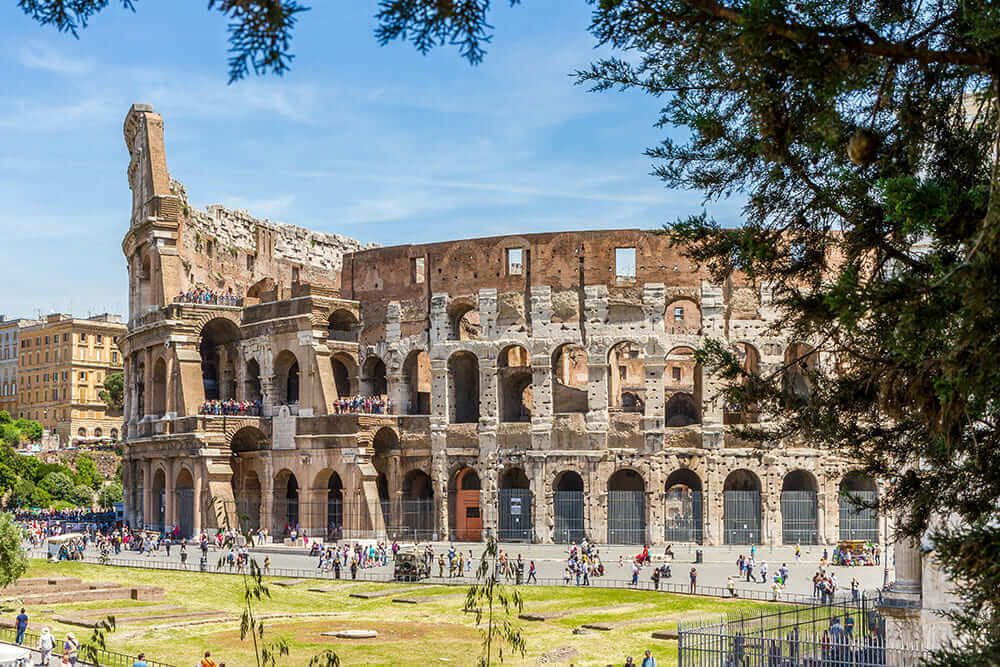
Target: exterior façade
point(542, 387)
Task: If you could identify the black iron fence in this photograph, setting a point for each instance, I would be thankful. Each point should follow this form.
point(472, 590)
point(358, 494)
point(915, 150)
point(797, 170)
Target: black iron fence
point(847, 633)
point(105, 658)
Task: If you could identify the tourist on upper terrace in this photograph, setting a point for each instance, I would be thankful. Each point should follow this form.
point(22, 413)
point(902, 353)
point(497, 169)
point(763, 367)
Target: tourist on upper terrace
point(231, 407)
point(206, 296)
point(364, 404)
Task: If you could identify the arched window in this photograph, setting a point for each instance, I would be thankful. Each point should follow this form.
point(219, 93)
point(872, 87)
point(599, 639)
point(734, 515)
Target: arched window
point(570, 376)
point(465, 322)
point(286, 373)
point(218, 349)
point(799, 509)
point(626, 377)
point(463, 388)
point(514, 367)
point(343, 326)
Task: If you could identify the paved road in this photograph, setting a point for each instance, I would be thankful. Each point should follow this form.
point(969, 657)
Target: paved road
point(718, 565)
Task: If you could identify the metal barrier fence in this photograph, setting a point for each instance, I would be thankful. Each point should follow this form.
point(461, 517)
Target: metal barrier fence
point(105, 658)
point(515, 510)
point(569, 518)
point(799, 517)
point(626, 517)
point(859, 515)
point(682, 509)
point(337, 518)
point(848, 633)
point(742, 517)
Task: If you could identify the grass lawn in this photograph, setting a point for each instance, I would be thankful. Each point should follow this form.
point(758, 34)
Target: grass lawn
point(435, 631)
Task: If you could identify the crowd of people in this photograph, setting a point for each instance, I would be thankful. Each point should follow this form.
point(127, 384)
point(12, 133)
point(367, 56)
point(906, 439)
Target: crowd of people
point(583, 563)
point(209, 297)
point(231, 407)
point(375, 405)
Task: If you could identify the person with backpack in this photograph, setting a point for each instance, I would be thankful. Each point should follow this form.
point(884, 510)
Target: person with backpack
point(70, 648)
point(46, 642)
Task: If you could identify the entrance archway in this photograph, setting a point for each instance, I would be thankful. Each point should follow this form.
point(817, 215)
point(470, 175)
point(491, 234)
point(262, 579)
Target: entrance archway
point(463, 388)
point(334, 507)
point(799, 509)
point(568, 508)
point(286, 504)
point(159, 407)
point(466, 517)
point(418, 506)
point(159, 500)
point(682, 507)
point(741, 510)
point(417, 375)
point(185, 503)
point(626, 508)
point(858, 508)
point(515, 507)
point(218, 358)
point(286, 375)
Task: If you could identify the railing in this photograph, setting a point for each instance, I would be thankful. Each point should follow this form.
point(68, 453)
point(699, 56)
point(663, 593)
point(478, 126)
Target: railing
point(105, 657)
point(221, 408)
point(210, 299)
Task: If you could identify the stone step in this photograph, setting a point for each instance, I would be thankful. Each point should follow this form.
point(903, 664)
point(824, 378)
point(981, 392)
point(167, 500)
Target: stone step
point(665, 634)
point(115, 592)
point(87, 622)
point(372, 595)
point(124, 612)
point(289, 582)
point(603, 627)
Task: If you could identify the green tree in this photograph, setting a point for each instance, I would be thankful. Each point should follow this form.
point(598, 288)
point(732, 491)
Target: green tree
point(86, 472)
point(20, 495)
point(489, 598)
point(59, 485)
point(13, 562)
point(82, 495)
point(30, 429)
point(40, 498)
point(10, 434)
point(111, 493)
point(4, 417)
point(113, 393)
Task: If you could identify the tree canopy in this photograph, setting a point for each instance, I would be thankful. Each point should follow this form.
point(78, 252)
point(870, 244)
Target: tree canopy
point(113, 393)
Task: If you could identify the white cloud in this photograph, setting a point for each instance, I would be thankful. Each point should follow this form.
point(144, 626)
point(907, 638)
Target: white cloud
point(42, 56)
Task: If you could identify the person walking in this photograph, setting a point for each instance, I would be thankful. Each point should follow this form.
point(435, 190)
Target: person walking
point(694, 585)
point(140, 661)
point(22, 626)
point(45, 645)
point(532, 576)
point(207, 660)
point(649, 660)
point(70, 648)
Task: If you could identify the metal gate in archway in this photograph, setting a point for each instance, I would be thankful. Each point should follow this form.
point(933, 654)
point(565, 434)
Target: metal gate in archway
point(742, 517)
point(185, 512)
point(682, 509)
point(161, 510)
point(859, 516)
point(799, 517)
point(568, 506)
point(626, 517)
point(515, 515)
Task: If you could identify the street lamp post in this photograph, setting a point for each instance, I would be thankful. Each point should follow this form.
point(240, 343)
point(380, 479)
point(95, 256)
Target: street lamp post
point(885, 551)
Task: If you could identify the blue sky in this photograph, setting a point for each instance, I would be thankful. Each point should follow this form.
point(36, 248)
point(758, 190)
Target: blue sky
point(381, 144)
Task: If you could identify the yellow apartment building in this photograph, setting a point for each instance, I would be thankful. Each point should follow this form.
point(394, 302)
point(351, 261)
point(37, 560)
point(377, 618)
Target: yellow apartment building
point(62, 364)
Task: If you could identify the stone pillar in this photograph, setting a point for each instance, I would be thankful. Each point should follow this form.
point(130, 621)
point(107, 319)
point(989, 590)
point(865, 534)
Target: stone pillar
point(652, 416)
point(147, 490)
point(171, 466)
point(541, 509)
point(398, 393)
point(267, 394)
point(597, 392)
point(267, 496)
point(908, 566)
point(489, 403)
point(199, 506)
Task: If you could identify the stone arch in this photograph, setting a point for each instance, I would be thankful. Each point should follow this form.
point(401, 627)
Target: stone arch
point(516, 506)
point(343, 325)
point(159, 403)
point(463, 388)
point(417, 378)
point(329, 480)
point(799, 508)
point(858, 507)
point(247, 491)
point(373, 377)
point(158, 513)
point(626, 507)
point(682, 316)
point(464, 321)
point(570, 377)
point(417, 520)
point(749, 358)
point(515, 380)
point(626, 377)
point(801, 361)
point(465, 514)
point(741, 508)
point(248, 439)
point(683, 507)
point(345, 368)
point(286, 503)
point(251, 381)
point(218, 338)
point(681, 410)
point(185, 492)
point(286, 378)
point(568, 509)
point(261, 287)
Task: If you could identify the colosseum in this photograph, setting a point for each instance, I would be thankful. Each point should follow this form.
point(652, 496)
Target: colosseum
point(540, 387)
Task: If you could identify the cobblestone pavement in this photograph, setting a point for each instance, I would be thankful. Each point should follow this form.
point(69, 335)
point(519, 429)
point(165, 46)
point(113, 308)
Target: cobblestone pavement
point(719, 563)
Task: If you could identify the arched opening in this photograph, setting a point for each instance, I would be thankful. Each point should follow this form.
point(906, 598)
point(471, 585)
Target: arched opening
point(515, 510)
point(464, 510)
point(418, 506)
point(145, 284)
point(799, 510)
point(385, 445)
point(159, 407)
point(248, 497)
point(139, 377)
point(286, 378)
point(82, 432)
point(682, 510)
point(681, 410)
point(801, 361)
point(741, 508)
point(570, 376)
point(514, 370)
point(626, 508)
point(248, 439)
point(417, 375)
point(159, 513)
point(114, 435)
point(98, 432)
point(683, 316)
point(185, 503)
point(251, 384)
point(464, 321)
point(626, 377)
point(334, 507)
point(858, 508)
point(218, 349)
point(260, 288)
point(343, 367)
point(373, 380)
point(286, 504)
point(343, 326)
point(568, 508)
point(749, 358)
point(463, 388)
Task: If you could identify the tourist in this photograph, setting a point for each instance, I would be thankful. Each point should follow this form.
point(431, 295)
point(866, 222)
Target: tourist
point(731, 585)
point(629, 662)
point(531, 571)
point(798, 553)
point(46, 642)
point(140, 661)
point(70, 648)
point(694, 585)
point(22, 626)
point(649, 660)
point(763, 572)
point(635, 572)
point(855, 589)
point(207, 660)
